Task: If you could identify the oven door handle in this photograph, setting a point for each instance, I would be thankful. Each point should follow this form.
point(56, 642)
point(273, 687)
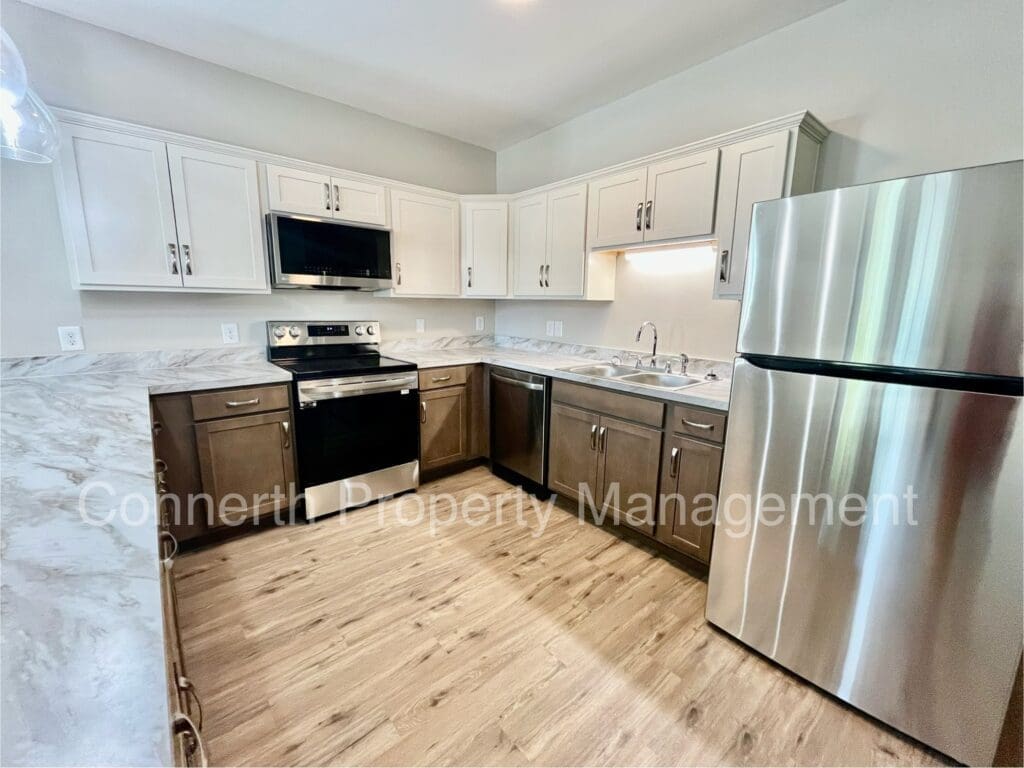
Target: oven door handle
point(309, 396)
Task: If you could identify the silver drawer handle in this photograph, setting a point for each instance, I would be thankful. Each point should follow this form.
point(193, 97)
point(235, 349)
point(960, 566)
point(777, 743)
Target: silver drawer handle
point(639, 214)
point(327, 196)
point(242, 403)
point(423, 411)
point(440, 378)
point(286, 428)
point(593, 437)
point(698, 425)
point(183, 724)
point(723, 267)
point(168, 559)
point(187, 252)
point(673, 467)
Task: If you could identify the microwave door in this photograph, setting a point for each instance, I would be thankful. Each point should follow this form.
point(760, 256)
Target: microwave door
point(311, 252)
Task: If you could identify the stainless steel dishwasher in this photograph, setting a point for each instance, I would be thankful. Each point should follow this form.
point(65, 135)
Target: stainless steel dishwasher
point(519, 424)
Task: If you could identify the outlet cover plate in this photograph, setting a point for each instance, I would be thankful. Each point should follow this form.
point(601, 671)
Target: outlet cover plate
point(229, 332)
point(70, 338)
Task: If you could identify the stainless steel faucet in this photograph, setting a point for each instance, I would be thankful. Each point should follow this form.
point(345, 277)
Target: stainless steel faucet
point(654, 346)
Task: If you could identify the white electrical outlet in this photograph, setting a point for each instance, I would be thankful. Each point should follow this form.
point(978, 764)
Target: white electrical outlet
point(549, 328)
point(70, 338)
point(558, 328)
point(479, 323)
point(229, 332)
point(421, 325)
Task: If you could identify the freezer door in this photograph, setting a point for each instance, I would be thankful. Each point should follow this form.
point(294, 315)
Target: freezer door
point(924, 272)
point(914, 615)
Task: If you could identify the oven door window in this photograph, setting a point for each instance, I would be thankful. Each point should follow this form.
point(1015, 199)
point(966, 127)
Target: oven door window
point(350, 436)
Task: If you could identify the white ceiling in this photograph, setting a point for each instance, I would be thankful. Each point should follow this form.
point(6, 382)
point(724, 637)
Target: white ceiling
point(490, 72)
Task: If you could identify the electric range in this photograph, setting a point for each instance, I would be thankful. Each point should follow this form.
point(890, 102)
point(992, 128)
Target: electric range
point(357, 425)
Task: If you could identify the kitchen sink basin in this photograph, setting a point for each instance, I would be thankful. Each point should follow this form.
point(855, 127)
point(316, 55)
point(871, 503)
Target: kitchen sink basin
point(603, 370)
point(660, 380)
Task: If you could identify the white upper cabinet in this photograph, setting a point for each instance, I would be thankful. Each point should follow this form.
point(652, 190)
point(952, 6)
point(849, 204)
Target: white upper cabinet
point(670, 200)
point(424, 244)
point(217, 210)
point(549, 243)
point(484, 248)
point(117, 210)
point(566, 241)
point(681, 197)
point(752, 171)
point(617, 209)
point(529, 244)
point(316, 194)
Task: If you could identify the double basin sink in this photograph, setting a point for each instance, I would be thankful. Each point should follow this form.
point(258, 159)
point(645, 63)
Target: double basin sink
point(635, 376)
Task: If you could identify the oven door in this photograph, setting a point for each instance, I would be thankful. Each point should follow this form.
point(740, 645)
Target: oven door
point(310, 252)
point(357, 440)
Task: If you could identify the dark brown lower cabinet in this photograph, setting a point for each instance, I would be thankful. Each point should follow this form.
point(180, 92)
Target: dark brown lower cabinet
point(689, 483)
point(444, 427)
point(613, 463)
point(247, 465)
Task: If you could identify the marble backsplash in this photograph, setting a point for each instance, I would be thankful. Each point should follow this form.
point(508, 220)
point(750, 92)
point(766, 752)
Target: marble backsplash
point(123, 362)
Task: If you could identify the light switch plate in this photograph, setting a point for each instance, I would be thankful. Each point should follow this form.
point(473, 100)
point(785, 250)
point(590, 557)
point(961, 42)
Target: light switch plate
point(479, 323)
point(558, 328)
point(229, 332)
point(421, 325)
point(70, 338)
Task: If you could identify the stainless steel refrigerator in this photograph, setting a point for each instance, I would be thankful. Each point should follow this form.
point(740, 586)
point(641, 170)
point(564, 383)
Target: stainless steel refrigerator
point(880, 360)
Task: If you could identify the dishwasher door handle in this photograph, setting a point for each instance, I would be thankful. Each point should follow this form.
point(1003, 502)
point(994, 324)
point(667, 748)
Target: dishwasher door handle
point(517, 383)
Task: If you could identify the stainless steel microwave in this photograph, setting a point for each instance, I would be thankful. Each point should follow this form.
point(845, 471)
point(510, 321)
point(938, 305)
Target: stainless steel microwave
point(310, 252)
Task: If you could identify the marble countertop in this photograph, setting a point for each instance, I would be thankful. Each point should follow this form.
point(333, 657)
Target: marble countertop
point(82, 673)
point(82, 677)
point(713, 394)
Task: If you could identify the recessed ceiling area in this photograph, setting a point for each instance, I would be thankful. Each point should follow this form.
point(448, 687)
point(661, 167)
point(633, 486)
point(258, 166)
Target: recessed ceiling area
point(489, 72)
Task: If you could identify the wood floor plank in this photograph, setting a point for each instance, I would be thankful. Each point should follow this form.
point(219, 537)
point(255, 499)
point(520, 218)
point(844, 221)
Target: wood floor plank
point(361, 640)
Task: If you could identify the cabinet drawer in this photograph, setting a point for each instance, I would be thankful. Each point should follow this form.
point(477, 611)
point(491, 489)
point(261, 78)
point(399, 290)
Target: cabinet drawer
point(435, 378)
point(649, 412)
point(237, 402)
point(696, 422)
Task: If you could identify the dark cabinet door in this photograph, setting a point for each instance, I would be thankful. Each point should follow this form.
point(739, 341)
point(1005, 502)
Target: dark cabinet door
point(444, 427)
point(572, 452)
point(629, 478)
point(690, 472)
point(250, 459)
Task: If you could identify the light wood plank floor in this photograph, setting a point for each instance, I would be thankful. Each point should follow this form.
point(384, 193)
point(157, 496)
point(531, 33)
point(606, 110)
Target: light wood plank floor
point(359, 640)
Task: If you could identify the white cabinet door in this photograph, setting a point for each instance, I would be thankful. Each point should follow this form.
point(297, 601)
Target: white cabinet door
point(299, 191)
point(424, 244)
point(484, 248)
point(616, 209)
point(529, 244)
point(217, 210)
point(681, 196)
point(358, 201)
point(567, 241)
point(118, 214)
point(752, 171)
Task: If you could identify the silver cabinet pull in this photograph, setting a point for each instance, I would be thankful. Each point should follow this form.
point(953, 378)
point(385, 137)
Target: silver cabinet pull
point(673, 464)
point(593, 437)
point(242, 403)
point(723, 266)
point(398, 271)
point(183, 724)
point(547, 275)
point(337, 197)
point(698, 425)
point(327, 196)
point(186, 251)
point(540, 282)
point(286, 429)
point(639, 214)
point(440, 378)
point(172, 249)
point(470, 271)
point(650, 210)
point(184, 684)
point(602, 439)
point(423, 411)
point(167, 556)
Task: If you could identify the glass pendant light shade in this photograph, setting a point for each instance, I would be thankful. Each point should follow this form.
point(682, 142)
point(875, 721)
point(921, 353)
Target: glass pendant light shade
point(28, 131)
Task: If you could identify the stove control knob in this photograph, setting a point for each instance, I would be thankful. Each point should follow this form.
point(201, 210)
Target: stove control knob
point(279, 331)
point(359, 330)
point(370, 330)
point(295, 331)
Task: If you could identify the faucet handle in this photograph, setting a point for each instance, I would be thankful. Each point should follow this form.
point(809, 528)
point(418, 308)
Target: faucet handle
point(684, 360)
